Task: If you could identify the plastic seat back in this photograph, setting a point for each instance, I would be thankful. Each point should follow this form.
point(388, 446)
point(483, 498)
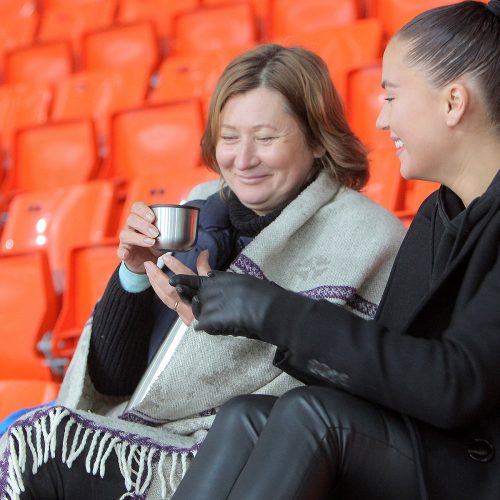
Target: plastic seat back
point(59, 219)
point(385, 185)
point(182, 77)
point(53, 155)
point(151, 140)
point(28, 308)
point(344, 48)
point(159, 12)
point(70, 20)
point(89, 269)
point(22, 105)
point(288, 17)
point(365, 98)
point(212, 28)
point(18, 394)
point(41, 63)
point(396, 13)
point(134, 44)
point(97, 94)
point(20, 8)
point(261, 9)
point(16, 30)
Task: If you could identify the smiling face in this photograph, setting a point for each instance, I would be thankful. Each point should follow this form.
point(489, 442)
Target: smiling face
point(261, 150)
point(413, 113)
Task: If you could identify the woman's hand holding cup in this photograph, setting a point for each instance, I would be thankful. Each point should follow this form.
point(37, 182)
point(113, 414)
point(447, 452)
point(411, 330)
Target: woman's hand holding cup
point(138, 237)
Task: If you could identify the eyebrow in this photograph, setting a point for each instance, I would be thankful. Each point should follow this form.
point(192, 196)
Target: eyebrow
point(386, 84)
point(255, 127)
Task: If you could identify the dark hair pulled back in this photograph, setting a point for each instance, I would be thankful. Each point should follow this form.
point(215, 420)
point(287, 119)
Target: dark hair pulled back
point(464, 38)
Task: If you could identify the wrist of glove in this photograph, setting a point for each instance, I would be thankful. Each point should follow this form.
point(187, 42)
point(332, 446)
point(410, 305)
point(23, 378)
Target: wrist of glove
point(236, 304)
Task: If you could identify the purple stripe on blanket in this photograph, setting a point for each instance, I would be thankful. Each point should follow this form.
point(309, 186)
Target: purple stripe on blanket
point(139, 417)
point(128, 437)
point(136, 418)
point(4, 469)
point(248, 266)
point(336, 292)
point(345, 293)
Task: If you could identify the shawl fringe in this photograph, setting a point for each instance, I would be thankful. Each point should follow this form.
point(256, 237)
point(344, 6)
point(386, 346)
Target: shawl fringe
point(136, 460)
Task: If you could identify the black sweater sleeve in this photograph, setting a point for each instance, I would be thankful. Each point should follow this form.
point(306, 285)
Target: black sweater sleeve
point(121, 328)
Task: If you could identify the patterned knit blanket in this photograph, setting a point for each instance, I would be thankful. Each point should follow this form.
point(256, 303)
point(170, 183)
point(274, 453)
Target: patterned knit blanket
point(329, 243)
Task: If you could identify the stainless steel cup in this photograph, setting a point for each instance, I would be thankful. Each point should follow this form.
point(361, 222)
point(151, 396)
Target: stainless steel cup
point(178, 226)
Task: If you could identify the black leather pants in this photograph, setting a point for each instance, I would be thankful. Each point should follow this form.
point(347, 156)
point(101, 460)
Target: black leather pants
point(311, 443)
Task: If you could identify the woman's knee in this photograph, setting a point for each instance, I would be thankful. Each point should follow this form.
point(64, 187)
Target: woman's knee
point(244, 408)
point(315, 405)
point(304, 398)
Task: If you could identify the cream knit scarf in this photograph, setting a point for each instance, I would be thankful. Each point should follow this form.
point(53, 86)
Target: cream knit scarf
point(329, 243)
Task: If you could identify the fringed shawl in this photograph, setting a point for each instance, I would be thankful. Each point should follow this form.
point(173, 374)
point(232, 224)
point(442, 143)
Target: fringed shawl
point(329, 243)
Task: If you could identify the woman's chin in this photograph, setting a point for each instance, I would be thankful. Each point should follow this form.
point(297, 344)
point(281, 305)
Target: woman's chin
point(257, 205)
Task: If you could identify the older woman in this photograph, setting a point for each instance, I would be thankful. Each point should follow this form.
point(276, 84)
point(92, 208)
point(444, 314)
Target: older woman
point(289, 211)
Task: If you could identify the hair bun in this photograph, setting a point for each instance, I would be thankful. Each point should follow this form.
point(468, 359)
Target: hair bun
point(494, 6)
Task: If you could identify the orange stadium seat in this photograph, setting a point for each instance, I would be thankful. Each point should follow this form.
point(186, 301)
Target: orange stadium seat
point(40, 63)
point(365, 98)
point(89, 269)
point(134, 44)
point(69, 20)
point(150, 140)
point(159, 12)
point(52, 155)
point(289, 17)
point(21, 105)
point(59, 219)
point(28, 308)
point(15, 31)
point(212, 28)
point(17, 393)
point(97, 94)
point(343, 48)
point(3, 168)
point(385, 185)
point(260, 8)
point(396, 13)
point(191, 76)
point(21, 8)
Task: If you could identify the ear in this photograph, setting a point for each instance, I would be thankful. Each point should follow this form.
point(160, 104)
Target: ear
point(456, 102)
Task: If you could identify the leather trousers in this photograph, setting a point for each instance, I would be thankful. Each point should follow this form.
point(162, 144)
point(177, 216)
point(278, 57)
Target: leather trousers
point(311, 443)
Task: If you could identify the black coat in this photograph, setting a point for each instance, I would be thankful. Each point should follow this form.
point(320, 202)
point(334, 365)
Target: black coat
point(433, 351)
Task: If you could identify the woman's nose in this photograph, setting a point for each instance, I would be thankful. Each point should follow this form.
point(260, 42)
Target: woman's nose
point(245, 156)
point(382, 122)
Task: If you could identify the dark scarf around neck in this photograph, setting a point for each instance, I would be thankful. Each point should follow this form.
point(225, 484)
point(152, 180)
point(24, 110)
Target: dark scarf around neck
point(245, 220)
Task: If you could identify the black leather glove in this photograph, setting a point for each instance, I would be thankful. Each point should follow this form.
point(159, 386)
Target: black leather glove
point(238, 304)
point(186, 286)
